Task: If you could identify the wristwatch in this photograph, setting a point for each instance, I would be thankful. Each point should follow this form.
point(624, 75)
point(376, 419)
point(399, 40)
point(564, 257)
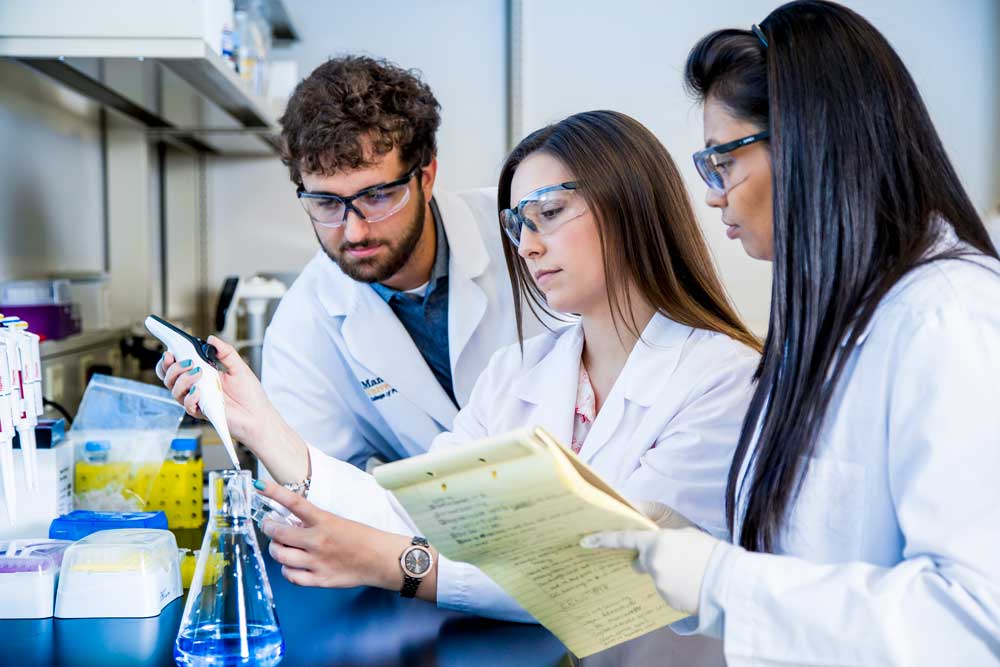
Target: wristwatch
point(416, 562)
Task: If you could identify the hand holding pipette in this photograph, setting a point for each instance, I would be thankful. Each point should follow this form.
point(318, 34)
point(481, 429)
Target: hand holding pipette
point(251, 417)
point(210, 403)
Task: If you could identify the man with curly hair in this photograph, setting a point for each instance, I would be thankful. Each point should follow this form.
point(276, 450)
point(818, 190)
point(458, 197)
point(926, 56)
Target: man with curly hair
point(382, 336)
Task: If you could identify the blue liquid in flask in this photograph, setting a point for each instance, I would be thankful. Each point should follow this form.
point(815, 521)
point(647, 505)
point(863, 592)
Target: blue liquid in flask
point(217, 646)
point(229, 618)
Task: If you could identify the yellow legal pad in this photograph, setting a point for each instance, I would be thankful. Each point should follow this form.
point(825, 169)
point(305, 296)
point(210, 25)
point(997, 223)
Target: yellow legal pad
point(516, 506)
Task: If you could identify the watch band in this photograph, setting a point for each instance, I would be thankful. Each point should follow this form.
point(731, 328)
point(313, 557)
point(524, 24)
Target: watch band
point(410, 584)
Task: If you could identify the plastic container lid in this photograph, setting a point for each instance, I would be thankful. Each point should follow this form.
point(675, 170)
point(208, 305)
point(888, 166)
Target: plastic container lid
point(80, 523)
point(97, 446)
point(23, 564)
point(184, 444)
point(35, 547)
point(122, 550)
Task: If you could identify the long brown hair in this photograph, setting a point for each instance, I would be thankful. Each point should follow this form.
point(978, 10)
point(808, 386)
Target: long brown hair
point(649, 236)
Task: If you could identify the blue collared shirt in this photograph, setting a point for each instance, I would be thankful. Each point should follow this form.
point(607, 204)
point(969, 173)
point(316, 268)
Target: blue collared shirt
point(425, 317)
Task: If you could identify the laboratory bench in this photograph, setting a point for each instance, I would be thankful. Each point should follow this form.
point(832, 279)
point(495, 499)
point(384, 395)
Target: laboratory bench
point(361, 626)
point(357, 627)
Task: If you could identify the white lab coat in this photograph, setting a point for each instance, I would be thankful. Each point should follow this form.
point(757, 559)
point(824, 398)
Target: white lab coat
point(343, 371)
point(666, 432)
point(891, 555)
point(993, 227)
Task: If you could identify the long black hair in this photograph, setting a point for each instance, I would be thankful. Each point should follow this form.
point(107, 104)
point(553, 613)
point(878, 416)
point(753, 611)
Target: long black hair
point(860, 181)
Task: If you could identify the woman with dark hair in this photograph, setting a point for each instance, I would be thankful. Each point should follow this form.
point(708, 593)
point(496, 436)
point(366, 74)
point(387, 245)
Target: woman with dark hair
point(648, 383)
point(863, 498)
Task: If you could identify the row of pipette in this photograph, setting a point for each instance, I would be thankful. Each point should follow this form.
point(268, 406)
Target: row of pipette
point(20, 405)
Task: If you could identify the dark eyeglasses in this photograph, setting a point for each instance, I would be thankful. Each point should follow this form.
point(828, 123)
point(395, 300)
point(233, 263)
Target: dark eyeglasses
point(373, 204)
point(713, 170)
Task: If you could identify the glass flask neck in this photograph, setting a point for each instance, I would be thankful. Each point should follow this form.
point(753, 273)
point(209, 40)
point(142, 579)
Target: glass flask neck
point(229, 496)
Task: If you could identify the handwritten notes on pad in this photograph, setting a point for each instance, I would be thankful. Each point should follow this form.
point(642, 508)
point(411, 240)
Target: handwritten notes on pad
point(516, 507)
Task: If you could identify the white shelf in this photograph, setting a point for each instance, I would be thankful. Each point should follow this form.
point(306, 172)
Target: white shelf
point(168, 33)
point(191, 59)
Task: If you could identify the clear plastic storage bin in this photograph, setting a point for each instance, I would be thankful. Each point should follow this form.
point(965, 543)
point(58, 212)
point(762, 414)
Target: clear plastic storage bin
point(126, 573)
point(29, 570)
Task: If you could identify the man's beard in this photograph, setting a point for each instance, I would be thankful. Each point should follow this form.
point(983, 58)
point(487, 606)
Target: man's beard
point(380, 268)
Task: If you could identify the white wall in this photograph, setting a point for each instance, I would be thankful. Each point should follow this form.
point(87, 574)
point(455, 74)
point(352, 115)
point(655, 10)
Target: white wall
point(51, 210)
point(256, 223)
point(459, 48)
point(586, 54)
point(629, 56)
point(52, 197)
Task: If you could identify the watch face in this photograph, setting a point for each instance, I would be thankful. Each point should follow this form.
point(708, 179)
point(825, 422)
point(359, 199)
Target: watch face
point(417, 561)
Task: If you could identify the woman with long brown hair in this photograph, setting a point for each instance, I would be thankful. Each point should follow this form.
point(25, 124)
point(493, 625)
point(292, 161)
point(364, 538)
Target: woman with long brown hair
point(648, 382)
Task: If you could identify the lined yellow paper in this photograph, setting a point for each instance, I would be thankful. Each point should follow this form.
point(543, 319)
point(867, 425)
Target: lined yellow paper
point(516, 506)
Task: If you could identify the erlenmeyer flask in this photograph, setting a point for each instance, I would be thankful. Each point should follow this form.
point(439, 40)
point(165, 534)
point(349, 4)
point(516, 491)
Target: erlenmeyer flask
point(229, 618)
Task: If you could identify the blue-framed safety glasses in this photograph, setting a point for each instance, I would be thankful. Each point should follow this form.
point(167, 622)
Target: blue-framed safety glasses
point(372, 204)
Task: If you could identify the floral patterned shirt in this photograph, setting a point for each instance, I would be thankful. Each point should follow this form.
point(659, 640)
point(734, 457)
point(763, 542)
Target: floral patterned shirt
point(586, 404)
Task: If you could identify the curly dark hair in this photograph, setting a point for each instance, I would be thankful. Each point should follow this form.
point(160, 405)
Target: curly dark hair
point(354, 109)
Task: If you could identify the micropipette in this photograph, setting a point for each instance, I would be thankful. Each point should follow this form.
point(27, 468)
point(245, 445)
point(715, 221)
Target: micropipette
point(36, 372)
point(210, 397)
point(7, 436)
point(24, 413)
point(32, 390)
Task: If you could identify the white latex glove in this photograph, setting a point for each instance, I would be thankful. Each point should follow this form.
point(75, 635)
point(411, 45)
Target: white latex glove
point(661, 515)
point(676, 556)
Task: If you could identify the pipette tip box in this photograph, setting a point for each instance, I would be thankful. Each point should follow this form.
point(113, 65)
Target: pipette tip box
point(29, 570)
point(125, 573)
